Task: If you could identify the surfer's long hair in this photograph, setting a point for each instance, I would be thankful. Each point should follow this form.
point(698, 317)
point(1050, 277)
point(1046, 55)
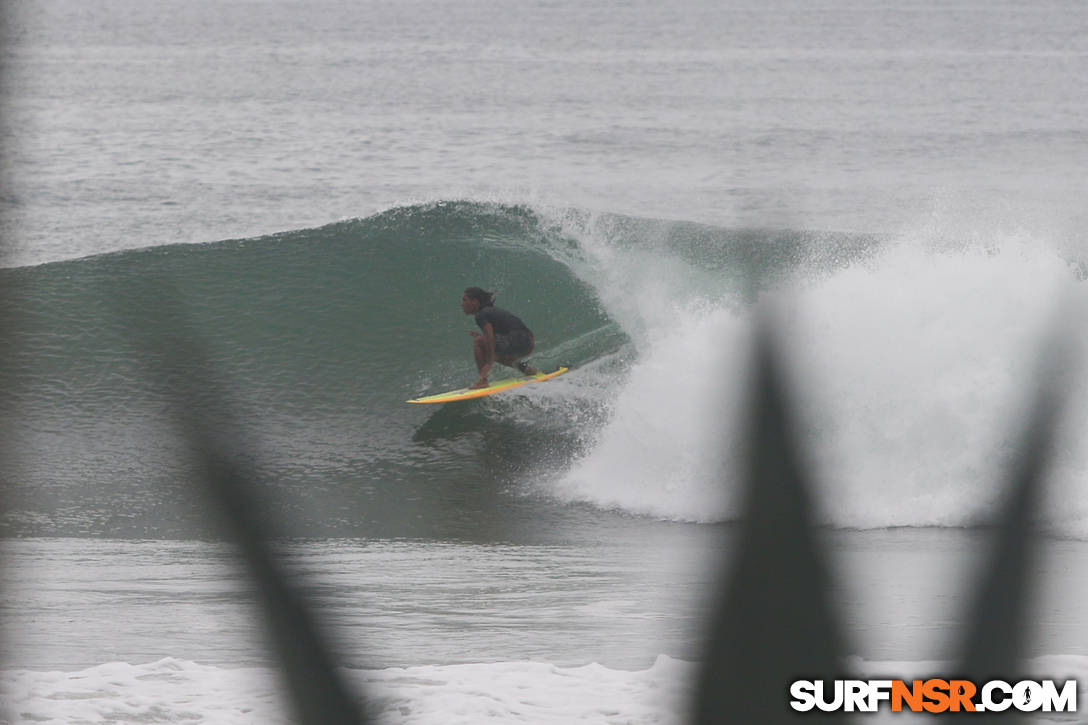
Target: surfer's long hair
point(485, 298)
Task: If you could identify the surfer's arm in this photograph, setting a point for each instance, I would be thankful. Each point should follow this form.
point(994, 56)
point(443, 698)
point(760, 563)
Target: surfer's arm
point(489, 347)
point(484, 346)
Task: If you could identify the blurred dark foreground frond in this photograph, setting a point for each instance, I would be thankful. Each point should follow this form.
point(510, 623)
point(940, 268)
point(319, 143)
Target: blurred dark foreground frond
point(215, 446)
point(775, 623)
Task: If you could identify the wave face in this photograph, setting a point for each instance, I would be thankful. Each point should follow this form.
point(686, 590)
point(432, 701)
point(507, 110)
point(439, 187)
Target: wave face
point(914, 352)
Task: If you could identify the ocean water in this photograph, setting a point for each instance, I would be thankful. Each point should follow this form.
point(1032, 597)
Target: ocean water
point(308, 187)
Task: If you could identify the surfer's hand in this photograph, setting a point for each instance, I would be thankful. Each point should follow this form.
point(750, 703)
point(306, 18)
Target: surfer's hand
point(474, 333)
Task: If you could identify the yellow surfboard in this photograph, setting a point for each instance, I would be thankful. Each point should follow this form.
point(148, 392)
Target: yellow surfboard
point(498, 387)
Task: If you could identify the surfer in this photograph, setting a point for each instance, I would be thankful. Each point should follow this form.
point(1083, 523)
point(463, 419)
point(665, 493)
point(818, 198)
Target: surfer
point(505, 338)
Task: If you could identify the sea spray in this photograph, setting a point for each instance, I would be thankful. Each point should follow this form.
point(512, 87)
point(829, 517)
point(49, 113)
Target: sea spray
point(911, 362)
point(670, 437)
point(916, 367)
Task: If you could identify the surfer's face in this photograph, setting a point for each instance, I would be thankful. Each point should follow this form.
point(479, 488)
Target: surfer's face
point(469, 305)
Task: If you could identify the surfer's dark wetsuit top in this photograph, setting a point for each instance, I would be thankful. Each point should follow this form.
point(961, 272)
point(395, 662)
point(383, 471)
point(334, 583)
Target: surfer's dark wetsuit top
point(512, 337)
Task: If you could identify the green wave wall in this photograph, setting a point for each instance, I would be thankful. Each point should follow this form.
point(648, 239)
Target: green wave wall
point(320, 335)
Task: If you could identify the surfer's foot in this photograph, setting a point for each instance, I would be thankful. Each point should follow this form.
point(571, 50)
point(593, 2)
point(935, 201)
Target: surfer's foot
point(527, 370)
point(481, 383)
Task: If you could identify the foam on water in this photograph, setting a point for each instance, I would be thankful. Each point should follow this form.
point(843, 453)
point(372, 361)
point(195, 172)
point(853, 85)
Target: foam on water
point(500, 693)
point(179, 691)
